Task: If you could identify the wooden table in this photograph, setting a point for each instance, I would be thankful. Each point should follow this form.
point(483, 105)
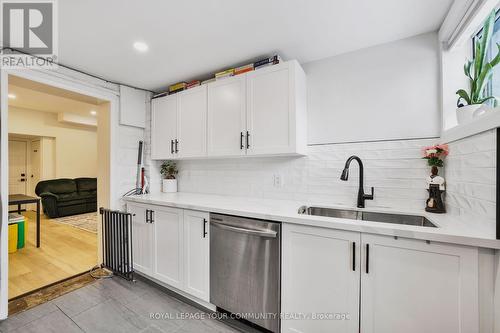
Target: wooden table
point(21, 199)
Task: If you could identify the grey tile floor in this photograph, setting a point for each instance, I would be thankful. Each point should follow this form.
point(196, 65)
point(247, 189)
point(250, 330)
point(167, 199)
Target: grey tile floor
point(114, 305)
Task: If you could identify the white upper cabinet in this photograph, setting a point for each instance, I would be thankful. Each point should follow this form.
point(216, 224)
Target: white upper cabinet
point(163, 127)
point(192, 123)
point(276, 110)
point(263, 112)
point(411, 286)
point(227, 117)
point(133, 106)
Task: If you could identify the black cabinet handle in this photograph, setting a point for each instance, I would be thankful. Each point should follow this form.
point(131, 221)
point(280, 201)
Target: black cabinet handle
point(248, 139)
point(151, 216)
point(176, 146)
point(171, 146)
point(205, 233)
point(367, 258)
point(241, 140)
point(147, 215)
point(354, 256)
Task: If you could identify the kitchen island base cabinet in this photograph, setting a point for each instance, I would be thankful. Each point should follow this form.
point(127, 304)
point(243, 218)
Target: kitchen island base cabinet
point(413, 286)
point(320, 275)
point(402, 285)
point(171, 245)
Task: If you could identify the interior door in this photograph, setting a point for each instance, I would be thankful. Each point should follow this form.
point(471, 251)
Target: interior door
point(168, 240)
point(192, 122)
point(321, 274)
point(226, 117)
point(412, 286)
point(269, 111)
point(196, 254)
point(163, 127)
point(17, 166)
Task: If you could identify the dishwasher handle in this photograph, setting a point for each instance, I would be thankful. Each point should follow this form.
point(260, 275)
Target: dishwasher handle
point(260, 233)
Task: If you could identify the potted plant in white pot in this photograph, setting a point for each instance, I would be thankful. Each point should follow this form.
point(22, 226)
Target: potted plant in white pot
point(479, 71)
point(168, 171)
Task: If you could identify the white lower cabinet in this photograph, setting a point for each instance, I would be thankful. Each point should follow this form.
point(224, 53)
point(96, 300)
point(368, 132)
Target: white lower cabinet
point(171, 245)
point(196, 254)
point(399, 285)
point(142, 240)
point(411, 286)
point(167, 246)
point(320, 275)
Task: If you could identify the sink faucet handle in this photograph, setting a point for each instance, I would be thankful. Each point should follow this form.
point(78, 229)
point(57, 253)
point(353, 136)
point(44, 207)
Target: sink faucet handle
point(370, 196)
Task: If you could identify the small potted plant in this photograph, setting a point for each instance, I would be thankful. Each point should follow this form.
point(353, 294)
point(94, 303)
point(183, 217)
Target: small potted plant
point(435, 155)
point(168, 171)
point(479, 71)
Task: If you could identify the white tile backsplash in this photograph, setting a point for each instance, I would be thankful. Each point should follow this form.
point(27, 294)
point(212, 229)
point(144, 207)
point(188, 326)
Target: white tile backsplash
point(394, 168)
point(471, 177)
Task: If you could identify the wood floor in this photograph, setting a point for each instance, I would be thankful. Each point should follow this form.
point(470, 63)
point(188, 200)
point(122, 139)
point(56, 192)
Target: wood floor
point(65, 251)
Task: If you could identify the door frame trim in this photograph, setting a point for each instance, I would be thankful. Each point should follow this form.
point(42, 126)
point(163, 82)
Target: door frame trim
point(75, 84)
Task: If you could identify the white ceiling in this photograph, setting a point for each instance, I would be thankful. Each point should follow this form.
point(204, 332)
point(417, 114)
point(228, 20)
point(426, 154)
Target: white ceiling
point(189, 39)
point(40, 97)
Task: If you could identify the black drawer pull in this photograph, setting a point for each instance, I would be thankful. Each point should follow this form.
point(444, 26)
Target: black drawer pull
point(367, 258)
point(354, 256)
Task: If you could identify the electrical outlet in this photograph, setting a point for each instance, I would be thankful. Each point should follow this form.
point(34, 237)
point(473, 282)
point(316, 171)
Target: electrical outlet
point(278, 180)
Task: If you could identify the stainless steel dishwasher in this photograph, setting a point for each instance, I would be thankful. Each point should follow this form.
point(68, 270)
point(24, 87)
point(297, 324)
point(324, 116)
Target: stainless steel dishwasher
point(245, 268)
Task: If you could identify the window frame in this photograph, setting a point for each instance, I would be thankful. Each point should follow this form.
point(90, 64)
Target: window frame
point(475, 38)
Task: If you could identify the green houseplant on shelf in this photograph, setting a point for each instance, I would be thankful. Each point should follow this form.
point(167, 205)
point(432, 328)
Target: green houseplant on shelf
point(169, 171)
point(479, 71)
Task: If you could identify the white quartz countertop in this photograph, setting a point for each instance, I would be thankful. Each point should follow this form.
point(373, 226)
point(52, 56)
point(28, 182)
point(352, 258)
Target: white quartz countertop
point(450, 229)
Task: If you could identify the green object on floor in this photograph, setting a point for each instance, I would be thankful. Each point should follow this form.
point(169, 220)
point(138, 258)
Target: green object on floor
point(21, 234)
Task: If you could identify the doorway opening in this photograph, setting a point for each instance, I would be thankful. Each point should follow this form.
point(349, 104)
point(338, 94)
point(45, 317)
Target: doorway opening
point(58, 159)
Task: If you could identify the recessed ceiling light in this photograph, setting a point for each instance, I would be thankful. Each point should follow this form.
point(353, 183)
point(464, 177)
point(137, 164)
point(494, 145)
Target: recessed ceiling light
point(141, 46)
point(12, 96)
point(93, 112)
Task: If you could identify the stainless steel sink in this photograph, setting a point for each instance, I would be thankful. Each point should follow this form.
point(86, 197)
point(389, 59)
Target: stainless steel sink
point(420, 221)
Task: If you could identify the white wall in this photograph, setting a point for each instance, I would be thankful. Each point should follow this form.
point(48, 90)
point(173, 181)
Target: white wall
point(384, 92)
point(75, 146)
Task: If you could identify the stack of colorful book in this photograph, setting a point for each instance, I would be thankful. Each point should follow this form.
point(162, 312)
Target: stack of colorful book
point(177, 87)
point(274, 60)
point(224, 74)
point(192, 84)
point(243, 69)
